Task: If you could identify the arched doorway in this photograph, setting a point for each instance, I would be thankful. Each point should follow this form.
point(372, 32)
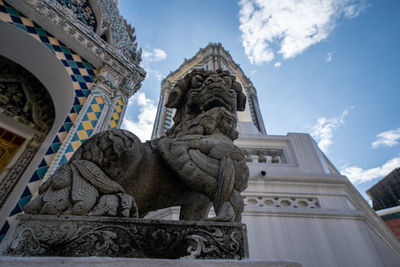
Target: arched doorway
point(35, 58)
point(27, 115)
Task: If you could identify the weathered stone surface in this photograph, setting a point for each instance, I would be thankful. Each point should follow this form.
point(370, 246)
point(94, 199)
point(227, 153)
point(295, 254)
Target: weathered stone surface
point(195, 166)
point(82, 236)
point(123, 262)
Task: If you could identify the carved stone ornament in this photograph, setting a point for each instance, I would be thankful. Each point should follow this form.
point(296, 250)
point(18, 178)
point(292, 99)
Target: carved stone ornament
point(62, 21)
point(69, 236)
point(195, 166)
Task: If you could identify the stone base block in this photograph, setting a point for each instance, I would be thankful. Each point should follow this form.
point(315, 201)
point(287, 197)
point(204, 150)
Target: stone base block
point(85, 236)
point(122, 262)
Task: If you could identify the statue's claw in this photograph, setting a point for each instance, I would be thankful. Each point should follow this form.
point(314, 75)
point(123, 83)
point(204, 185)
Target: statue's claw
point(107, 205)
point(120, 204)
point(34, 206)
point(128, 206)
point(226, 213)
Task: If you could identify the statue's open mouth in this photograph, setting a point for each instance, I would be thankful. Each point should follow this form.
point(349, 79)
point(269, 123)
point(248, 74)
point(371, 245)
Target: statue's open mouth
point(217, 98)
point(214, 103)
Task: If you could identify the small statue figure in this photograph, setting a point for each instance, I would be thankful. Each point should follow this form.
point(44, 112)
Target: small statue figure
point(261, 156)
point(248, 156)
point(195, 165)
point(274, 158)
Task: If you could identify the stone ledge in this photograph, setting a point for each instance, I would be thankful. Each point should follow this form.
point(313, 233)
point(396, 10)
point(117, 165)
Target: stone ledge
point(122, 262)
point(85, 236)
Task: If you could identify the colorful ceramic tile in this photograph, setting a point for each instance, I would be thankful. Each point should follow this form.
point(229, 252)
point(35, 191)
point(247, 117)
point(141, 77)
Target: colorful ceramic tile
point(116, 115)
point(82, 75)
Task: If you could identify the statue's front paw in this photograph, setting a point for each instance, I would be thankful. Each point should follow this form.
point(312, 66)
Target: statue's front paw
point(128, 206)
point(34, 206)
point(120, 204)
point(107, 205)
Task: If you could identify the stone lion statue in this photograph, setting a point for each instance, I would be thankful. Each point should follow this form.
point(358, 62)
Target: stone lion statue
point(194, 166)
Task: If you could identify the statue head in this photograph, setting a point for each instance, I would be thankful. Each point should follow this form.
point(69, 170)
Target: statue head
point(201, 91)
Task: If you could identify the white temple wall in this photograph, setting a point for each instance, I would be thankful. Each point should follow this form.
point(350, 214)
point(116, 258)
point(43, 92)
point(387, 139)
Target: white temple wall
point(302, 209)
point(315, 240)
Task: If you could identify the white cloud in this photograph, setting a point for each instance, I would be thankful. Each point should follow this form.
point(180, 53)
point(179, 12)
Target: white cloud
point(155, 55)
point(388, 139)
point(353, 10)
point(328, 57)
point(359, 175)
point(156, 73)
point(322, 131)
point(290, 25)
point(143, 126)
point(277, 64)
point(150, 57)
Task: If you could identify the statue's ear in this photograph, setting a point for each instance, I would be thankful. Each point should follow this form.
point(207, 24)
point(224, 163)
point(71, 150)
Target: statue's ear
point(241, 101)
point(174, 97)
point(240, 97)
point(177, 93)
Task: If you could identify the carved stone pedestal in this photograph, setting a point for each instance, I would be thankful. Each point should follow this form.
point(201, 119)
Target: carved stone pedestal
point(123, 262)
point(83, 236)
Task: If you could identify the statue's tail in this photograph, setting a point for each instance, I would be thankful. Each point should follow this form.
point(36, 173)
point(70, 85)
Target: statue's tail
point(226, 179)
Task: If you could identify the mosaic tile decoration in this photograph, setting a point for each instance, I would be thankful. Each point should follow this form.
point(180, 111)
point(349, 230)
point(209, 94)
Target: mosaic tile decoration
point(116, 115)
point(85, 129)
point(82, 11)
point(82, 75)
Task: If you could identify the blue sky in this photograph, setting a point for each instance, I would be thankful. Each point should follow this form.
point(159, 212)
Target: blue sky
point(329, 68)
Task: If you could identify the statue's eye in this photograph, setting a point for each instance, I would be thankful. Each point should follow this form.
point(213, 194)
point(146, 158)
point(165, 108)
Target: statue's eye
point(197, 81)
point(228, 81)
